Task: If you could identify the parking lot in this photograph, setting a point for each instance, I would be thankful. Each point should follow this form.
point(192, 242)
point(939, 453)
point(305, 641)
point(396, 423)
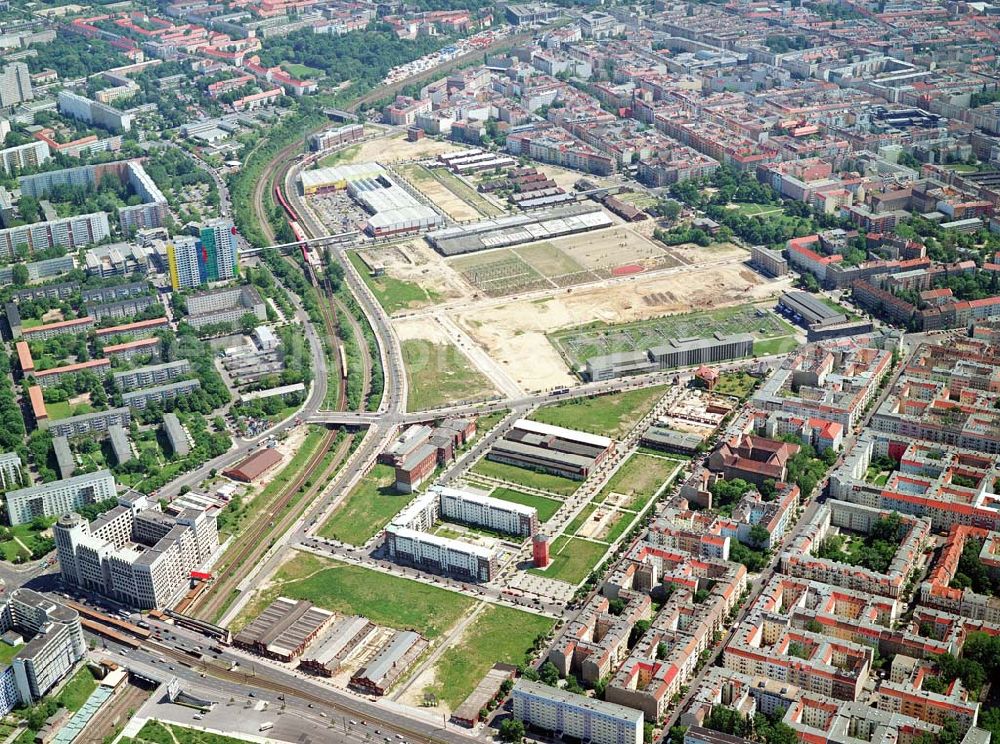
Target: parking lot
point(338, 212)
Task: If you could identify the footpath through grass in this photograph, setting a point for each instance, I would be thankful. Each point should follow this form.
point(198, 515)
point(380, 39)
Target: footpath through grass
point(439, 374)
point(638, 479)
point(611, 415)
point(572, 559)
point(382, 598)
point(367, 508)
point(531, 479)
point(498, 634)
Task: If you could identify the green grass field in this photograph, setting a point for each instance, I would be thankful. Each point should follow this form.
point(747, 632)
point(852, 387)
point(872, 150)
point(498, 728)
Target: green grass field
point(749, 209)
point(638, 478)
point(610, 415)
point(392, 294)
point(540, 481)
point(7, 653)
point(63, 409)
point(302, 72)
point(594, 339)
point(580, 519)
point(738, 384)
point(439, 374)
point(382, 598)
point(498, 634)
point(339, 156)
point(546, 507)
point(367, 509)
point(771, 346)
point(572, 559)
point(158, 732)
point(78, 689)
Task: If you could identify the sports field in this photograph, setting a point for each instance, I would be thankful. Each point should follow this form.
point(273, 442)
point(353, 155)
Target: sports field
point(352, 590)
point(579, 344)
point(610, 415)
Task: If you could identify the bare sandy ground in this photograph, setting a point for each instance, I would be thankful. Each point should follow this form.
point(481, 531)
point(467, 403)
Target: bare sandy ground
point(396, 149)
point(417, 262)
point(514, 333)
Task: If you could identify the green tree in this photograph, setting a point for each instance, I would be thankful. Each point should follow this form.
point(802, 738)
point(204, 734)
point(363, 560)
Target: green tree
point(511, 730)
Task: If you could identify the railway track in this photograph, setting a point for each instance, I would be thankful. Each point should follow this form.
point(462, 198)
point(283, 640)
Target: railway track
point(253, 543)
point(264, 683)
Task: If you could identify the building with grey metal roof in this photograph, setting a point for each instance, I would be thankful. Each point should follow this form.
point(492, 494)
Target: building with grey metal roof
point(284, 629)
point(120, 446)
point(392, 660)
point(176, 435)
point(64, 456)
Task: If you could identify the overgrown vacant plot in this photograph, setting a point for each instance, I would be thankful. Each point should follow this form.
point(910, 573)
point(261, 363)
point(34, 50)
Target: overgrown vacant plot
point(546, 507)
point(609, 415)
point(466, 193)
point(738, 384)
point(638, 478)
point(541, 481)
point(552, 262)
point(393, 294)
point(340, 156)
point(382, 598)
point(498, 634)
point(433, 187)
point(572, 559)
point(367, 509)
point(438, 373)
point(159, 732)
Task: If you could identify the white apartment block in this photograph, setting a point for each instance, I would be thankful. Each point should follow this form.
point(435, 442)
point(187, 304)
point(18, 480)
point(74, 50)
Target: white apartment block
point(483, 511)
point(579, 716)
point(56, 645)
point(153, 374)
point(69, 232)
point(24, 156)
point(135, 553)
point(59, 497)
point(10, 470)
point(440, 554)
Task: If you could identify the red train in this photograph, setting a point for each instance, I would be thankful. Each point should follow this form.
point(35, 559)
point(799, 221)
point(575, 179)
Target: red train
point(293, 221)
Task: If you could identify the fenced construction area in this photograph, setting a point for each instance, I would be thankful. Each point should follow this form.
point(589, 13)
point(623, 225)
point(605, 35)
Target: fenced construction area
point(576, 345)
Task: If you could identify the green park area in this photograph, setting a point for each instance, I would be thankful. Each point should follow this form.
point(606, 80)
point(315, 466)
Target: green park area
point(26, 542)
point(497, 635)
point(638, 479)
point(738, 384)
point(546, 507)
point(367, 508)
point(572, 559)
point(612, 415)
point(770, 346)
point(352, 590)
point(64, 409)
point(393, 294)
point(158, 732)
point(523, 477)
point(438, 374)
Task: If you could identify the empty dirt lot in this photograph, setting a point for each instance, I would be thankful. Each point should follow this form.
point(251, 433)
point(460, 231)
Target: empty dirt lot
point(514, 333)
